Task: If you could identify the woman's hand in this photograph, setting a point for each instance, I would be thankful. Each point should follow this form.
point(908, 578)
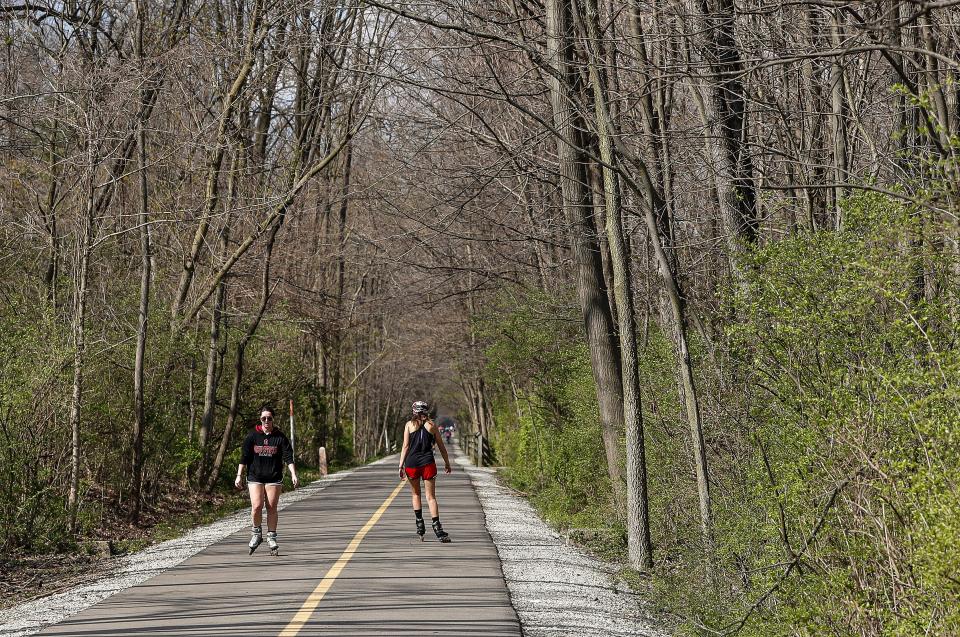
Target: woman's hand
point(238, 483)
point(447, 468)
point(295, 480)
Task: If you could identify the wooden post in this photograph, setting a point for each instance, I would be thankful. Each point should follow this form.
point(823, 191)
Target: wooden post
point(322, 461)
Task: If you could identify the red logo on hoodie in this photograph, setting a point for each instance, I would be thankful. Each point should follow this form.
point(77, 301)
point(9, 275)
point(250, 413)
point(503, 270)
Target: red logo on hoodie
point(264, 449)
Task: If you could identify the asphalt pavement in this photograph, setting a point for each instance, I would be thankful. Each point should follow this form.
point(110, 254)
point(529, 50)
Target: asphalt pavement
point(342, 570)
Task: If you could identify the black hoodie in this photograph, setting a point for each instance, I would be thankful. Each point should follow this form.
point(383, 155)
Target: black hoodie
point(265, 455)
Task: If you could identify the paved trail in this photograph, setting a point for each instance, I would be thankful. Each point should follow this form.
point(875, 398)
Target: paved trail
point(390, 584)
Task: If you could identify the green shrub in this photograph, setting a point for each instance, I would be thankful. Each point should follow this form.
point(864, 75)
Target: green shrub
point(852, 434)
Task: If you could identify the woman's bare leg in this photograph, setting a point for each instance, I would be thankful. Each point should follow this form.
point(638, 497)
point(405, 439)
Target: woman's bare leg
point(256, 502)
point(432, 498)
point(273, 498)
point(415, 493)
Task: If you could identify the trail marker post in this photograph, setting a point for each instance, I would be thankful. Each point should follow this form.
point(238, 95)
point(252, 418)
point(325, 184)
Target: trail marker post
point(322, 460)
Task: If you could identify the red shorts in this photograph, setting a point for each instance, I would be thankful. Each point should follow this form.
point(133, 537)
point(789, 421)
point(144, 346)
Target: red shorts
point(427, 472)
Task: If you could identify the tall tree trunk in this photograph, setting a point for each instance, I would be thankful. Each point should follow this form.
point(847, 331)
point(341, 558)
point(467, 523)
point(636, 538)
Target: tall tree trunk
point(193, 407)
point(139, 416)
point(79, 351)
point(656, 212)
point(639, 545)
point(838, 119)
point(726, 108)
point(52, 273)
point(210, 384)
point(594, 304)
point(338, 398)
point(659, 228)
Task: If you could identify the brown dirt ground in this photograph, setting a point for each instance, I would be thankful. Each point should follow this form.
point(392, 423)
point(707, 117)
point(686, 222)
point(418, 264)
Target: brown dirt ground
point(28, 577)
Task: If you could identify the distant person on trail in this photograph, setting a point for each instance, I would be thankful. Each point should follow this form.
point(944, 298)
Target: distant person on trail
point(265, 451)
point(416, 461)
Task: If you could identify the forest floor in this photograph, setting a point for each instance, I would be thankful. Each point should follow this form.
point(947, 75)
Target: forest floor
point(33, 576)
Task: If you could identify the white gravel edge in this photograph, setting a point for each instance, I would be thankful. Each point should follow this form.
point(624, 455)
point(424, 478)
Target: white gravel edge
point(556, 589)
point(32, 617)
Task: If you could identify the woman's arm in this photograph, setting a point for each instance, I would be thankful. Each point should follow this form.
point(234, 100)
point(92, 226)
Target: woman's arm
point(288, 459)
point(406, 444)
point(432, 428)
point(246, 455)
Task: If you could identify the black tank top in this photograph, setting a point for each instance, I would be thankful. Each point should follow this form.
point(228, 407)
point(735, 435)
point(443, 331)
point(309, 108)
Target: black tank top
point(420, 452)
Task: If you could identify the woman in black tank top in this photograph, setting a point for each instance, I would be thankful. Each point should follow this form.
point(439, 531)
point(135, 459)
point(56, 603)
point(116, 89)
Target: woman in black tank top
point(416, 462)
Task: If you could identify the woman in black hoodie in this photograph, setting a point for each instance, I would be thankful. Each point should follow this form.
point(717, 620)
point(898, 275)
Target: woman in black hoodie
point(265, 451)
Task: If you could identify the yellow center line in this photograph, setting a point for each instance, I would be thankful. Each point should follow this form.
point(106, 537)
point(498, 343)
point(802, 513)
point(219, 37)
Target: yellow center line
point(303, 615)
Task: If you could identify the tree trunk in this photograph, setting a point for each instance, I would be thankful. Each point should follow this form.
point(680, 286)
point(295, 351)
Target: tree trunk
point(79, 350)
point(210, 385)
point(193, 407)
point(639, 545)
point(594, 304)
point(838, 120)
point(139, 417)
point(338, 398)
point(655, 214)
point(52, 273)
point(726, 109)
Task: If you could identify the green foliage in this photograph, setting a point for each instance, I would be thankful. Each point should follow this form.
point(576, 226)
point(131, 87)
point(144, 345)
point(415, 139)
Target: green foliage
point(33, 387)
point(851, 432)
point(548, 434)
point(831, 410)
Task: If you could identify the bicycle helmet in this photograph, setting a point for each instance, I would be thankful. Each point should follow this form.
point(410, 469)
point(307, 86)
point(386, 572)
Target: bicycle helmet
point(420, 407)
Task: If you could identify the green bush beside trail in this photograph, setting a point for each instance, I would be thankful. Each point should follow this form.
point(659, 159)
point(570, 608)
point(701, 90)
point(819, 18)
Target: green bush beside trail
point(830, 401)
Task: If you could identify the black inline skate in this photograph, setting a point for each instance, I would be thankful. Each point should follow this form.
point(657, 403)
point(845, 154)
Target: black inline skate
point(442, 535)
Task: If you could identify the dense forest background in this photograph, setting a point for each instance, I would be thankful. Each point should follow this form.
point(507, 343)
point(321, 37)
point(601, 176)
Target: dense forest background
point(689, 268)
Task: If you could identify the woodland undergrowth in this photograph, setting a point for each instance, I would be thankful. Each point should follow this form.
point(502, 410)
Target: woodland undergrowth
point(831, 412)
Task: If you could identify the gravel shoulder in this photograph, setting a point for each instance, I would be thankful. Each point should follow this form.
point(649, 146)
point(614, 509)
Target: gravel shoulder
point(556, 589)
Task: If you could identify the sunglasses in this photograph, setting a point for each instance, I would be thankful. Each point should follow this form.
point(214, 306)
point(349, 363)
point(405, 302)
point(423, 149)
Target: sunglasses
point(266, 418)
